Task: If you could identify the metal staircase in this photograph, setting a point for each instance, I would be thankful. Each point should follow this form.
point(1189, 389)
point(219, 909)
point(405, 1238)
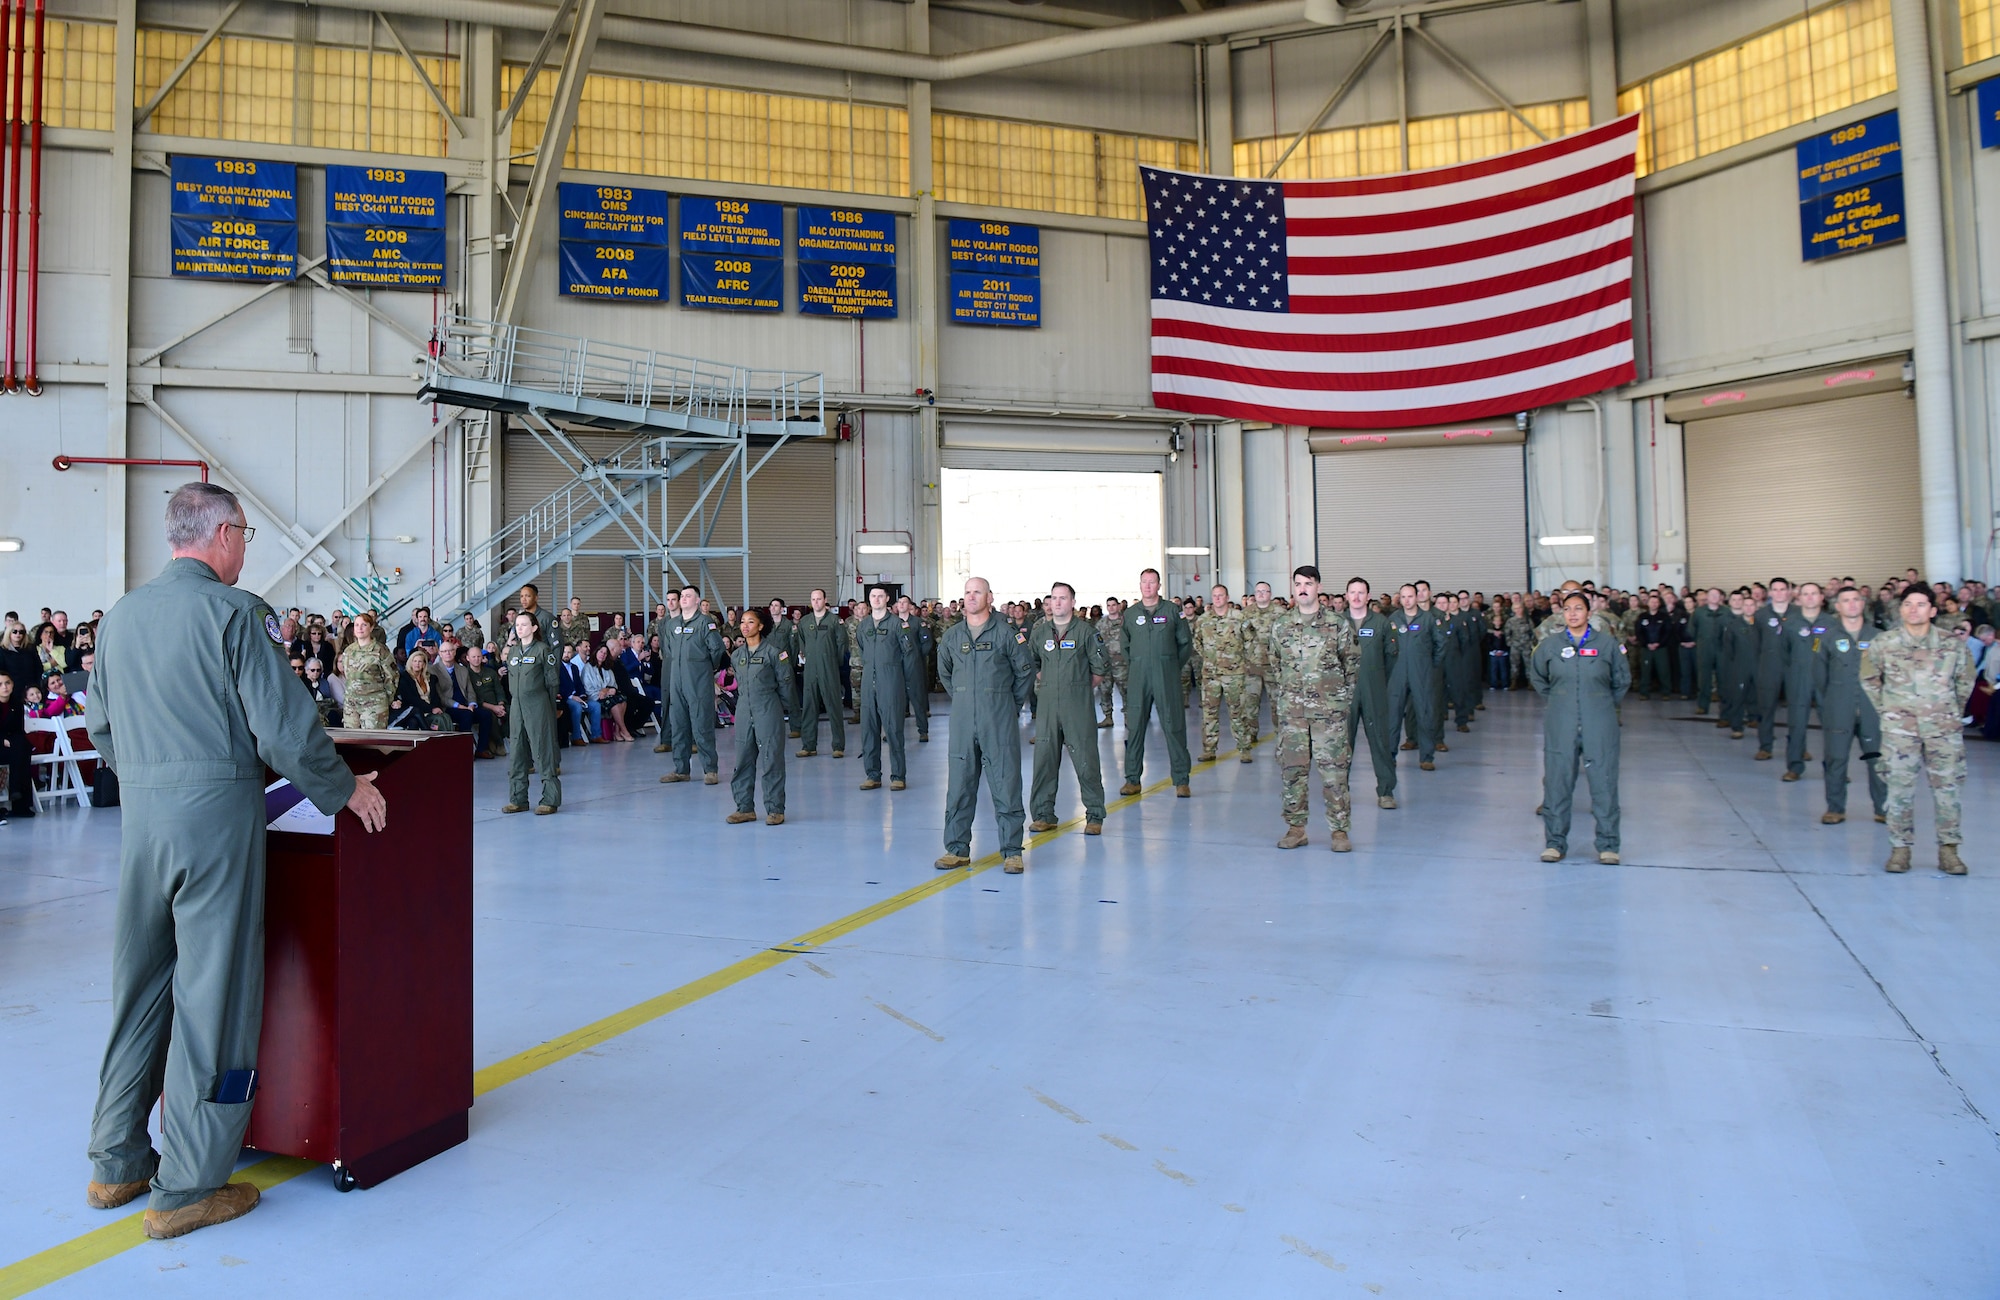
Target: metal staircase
point(687, 416)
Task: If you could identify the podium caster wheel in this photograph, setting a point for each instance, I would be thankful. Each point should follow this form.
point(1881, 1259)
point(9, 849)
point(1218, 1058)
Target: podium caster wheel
point(343, 1179)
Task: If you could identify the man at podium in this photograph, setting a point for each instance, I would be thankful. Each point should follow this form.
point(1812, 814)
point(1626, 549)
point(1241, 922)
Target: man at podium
point(191, 696)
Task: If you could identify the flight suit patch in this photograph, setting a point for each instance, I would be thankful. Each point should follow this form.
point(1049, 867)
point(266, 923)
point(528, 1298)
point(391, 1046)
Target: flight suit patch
point(271, 629)
point(1569, 652)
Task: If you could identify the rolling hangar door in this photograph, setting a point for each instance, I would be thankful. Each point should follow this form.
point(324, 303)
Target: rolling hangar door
point(791, 524)
point(1809, 476)
point(1026, 505)
point(1448, 505)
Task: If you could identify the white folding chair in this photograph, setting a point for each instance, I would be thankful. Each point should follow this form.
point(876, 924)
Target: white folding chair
point(65, 780)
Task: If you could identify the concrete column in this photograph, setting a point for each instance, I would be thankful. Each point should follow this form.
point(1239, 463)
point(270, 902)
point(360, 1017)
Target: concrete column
point(1218, 109)
point(485, 506)
point(1621, 493)
point(1930, 315)
point(926, 561)
point(118, 297)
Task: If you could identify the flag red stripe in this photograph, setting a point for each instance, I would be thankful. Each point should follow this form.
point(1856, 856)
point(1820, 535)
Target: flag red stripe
point(1418, 259)
point(1389, 341)
point(1537, 153)
point(1445, 295)
point(1386, 381)
point(1414, 417)
point(1429, 218)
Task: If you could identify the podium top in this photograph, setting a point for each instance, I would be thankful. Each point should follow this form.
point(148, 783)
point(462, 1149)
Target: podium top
point(385, 739)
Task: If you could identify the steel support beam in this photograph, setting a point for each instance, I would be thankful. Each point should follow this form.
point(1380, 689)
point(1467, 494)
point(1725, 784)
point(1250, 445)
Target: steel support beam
point(1485, 87)
point(416, 65)
point(1333, 101)
point(534, 68)
point(927, 549)
point(549, 157)
point(118, 295)
point(153, 354)
point(201, 45)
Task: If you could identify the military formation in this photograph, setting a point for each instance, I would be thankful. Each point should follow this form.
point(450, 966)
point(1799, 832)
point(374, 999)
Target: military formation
point(1881, 672)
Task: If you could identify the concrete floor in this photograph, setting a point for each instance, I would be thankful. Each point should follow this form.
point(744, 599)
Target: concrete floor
point(1169, 1062)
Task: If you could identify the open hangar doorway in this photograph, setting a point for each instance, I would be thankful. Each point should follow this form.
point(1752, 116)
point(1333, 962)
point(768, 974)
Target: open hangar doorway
point(1025, 505)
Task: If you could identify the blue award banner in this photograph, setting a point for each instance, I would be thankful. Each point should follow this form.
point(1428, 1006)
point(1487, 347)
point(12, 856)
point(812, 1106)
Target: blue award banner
point(613, 214)
point(1851, 220)
point(732, 283)
point(235, 187)
point(1005, 246)
point(847, 235)
point(231, 248)
point(384, 196)
point(385, 257)
point(614, 272)
point(736, 226)
point(988, 299)
point(1986, 101)
point(1852, 155)
point(856, 290)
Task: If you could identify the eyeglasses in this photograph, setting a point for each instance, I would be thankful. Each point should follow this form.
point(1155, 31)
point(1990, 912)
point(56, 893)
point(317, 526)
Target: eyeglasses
point(248, 531)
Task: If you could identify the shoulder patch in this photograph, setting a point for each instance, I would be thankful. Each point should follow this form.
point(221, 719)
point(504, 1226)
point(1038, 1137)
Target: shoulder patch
point(271, 628)
point(782, 656)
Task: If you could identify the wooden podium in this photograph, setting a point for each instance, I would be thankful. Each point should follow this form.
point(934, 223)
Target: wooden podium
point(366, 1062)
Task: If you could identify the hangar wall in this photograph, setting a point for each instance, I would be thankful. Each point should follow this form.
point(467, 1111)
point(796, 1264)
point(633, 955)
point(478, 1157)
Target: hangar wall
point(304, 398)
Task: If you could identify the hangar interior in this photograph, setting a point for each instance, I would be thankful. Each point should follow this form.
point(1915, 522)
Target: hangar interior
point(1741, 1073)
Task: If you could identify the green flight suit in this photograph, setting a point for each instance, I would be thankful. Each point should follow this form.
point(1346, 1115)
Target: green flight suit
point(1461, 671)
point(915, 642)
point(1769, 630)
point(763, 697)
point(1845, 715)
point(1801, 669)
point(1706, 626)
point(694, 652)
point(191, 696)
point(883, 694)
point(1158, 644)
point(534, 672)
point(817, 640)
point(1582, 682)
point(1371, 707)
point(1413, 697)
point(989, 674)
point(1067, 658)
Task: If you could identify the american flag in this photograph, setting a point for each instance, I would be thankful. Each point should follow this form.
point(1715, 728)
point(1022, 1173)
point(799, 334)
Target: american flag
point(1396, 301)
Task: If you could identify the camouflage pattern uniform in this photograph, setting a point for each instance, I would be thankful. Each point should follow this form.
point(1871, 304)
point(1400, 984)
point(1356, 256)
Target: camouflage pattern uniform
point(1111, 630)
point(1315, 659)
point(371, 684)
point(1257, 625)
point(1600, 619)
point(1221, 642)
point(1520, 634)
point(1919, 686)
point(576, 632)
point(852, 630)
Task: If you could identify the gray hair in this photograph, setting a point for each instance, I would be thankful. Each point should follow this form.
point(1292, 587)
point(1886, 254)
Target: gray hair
point(196, 510)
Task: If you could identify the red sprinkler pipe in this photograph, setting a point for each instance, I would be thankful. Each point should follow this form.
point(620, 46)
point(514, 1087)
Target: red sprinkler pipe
point(17, 72)
point(66, 462)
point(34, 384)
point(7, 250)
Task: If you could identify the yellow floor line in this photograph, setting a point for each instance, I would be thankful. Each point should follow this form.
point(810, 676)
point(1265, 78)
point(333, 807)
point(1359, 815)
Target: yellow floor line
point(120, 1235)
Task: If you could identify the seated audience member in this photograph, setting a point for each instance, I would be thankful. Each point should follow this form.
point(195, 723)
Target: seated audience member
point(18, 660)
point(317, 646)
point(601, 680)
point(454, 684)
point(321, 687)
point(53, 655)
point(54, 699)
point(15, 755)
point(419, 706)
point(638, 706)
point(580, 699)
point(77, 680)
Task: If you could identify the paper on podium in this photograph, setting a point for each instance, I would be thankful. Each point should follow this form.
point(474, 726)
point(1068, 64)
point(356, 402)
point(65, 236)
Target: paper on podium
point(286, 809)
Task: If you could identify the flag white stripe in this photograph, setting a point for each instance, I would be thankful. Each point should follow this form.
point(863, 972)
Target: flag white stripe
point(1510, 181)
point(1392, 322)
point(1389, 362)
point(1469, 271)
point(1472, 231)
point(1399, 399)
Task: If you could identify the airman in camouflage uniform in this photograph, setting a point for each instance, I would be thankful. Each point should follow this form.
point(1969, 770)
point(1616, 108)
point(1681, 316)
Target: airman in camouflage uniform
point(1221, 641)
point(1316, 659)
point(1260, 614)
point(1111, 630)
point(1520, 634)
point(370, 674)
point(1918, 680)
point(575, 626)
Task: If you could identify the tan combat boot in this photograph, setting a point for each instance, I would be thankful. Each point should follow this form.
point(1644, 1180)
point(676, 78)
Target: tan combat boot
point(1093, 828)
point(1552, 854)
point(1948, 860)
point(738, 818)
point(1899, 861)
point(1385, 801)
point(1129, 788)
point(675, 778)
point(1183, 792)
point(775, 819)
point(1340, 843)
point(1295, 838)
point(1207, 756)
point(1038, 826)
point(109, 1196)
point(711, 778)
point(1014, 866)
point(220, 1206)
point(951, 860)
point(1832, 818)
